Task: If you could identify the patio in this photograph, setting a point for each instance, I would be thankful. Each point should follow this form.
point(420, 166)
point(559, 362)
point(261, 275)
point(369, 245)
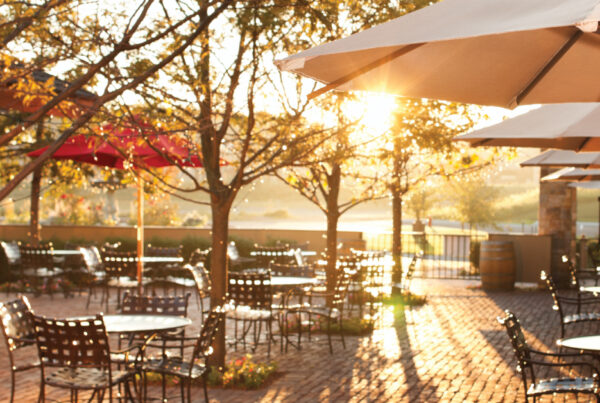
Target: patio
point(450, 349)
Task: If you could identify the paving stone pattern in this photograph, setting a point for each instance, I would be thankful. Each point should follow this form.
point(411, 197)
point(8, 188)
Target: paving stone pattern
point(449, 350)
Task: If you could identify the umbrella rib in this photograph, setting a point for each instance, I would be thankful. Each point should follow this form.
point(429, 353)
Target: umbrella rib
point(343, 80)
point(548, 66)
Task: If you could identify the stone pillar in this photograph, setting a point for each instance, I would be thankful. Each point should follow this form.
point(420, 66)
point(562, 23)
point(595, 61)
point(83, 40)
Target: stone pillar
point(557, 217)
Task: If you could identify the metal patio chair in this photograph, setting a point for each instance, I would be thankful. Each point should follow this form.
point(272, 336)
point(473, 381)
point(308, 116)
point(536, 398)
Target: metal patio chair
point(188, 370)
point(19, 333)
point(75, 355)
point(528, 359)
point(562, 302)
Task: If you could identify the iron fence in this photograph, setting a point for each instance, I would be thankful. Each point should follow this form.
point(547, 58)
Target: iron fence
point(447, 256)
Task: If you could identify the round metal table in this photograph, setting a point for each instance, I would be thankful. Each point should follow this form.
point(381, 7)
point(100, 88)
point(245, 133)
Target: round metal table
point(591, 288)
point(143, 323)
point(582, 343)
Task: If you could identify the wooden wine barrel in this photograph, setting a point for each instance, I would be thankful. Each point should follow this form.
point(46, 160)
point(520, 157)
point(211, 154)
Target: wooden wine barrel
point(497, 265)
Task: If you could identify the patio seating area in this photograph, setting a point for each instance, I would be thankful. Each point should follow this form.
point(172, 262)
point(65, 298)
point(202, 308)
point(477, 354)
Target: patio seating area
point(450, 349)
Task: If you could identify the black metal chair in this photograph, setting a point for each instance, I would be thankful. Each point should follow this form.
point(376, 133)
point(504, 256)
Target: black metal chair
point(19, 333)
point(190, 369)
point(292, 270)
point(264, 255)
point(322, 304)
point(528, 359)
point(370, 280)
point(120, 271)
point(10, 262)
point(95, 272)
point(202, 283)
point(250, 302)
point(37, 265)
point(153, 305)
point(562, 302)
point(75, 355)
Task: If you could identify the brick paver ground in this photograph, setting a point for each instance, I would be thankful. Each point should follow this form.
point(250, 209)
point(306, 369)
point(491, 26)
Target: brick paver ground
point(449, 350)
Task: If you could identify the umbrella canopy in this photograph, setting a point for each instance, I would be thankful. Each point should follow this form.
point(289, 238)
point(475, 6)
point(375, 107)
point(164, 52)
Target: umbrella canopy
point(14, 99)
point(573, 175)
point(500, 52)
point(563, 158)
point(586, 185)
point(134, 145)
point(564, 126)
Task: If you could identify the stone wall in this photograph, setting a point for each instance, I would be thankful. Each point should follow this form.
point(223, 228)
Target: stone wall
point(557, 217)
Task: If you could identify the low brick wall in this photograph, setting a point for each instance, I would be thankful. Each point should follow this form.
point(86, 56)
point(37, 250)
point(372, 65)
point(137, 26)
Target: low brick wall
point(99, 233)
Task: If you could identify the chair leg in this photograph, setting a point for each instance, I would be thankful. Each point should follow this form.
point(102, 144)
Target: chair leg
point(12, 386)
point(329, 335)
point(342, 330)
point(204, 376)
point(164, 388)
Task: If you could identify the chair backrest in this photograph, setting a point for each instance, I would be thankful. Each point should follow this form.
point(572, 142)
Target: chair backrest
point(519, 345)
point(340, 290)
point(164, 251)
point(154, 304)
point(292, 270)
point(203, 346)
point(250, 289)
point(201, 277)
point(118, 263)
point(36, 256)
point(267, 254)
point(17, 326)
point(11, 252)
point(410, 271)
point(199, 256)
point(91, 258)
point(553, 292)
point(72, 343)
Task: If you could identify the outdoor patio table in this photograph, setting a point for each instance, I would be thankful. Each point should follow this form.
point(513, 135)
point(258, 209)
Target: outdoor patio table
point(591, 288)
point(143, 323)
point(590, 344)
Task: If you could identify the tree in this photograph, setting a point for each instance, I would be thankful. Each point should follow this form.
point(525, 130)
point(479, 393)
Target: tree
point(338, 160)
point(103, 46)
point(420, 146)
point(474, 200)
point(225, 94)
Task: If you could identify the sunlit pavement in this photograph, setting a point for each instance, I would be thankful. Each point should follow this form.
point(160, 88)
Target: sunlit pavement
point(451, 349)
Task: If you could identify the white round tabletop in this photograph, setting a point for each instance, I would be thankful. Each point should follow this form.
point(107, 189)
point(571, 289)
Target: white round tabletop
point(591, 288)
point(143, 323)
point(587, 343)
point(289, 281)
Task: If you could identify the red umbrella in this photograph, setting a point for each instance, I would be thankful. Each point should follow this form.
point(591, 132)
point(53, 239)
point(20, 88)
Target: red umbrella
point(134, 145)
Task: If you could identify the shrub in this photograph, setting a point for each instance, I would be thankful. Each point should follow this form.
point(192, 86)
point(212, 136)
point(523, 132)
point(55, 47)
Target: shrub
point(242, 373)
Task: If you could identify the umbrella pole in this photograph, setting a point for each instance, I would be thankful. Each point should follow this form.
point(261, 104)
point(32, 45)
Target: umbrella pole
point(140, 232)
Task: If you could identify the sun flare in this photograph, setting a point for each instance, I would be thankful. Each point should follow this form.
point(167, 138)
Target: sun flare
point(375, 112)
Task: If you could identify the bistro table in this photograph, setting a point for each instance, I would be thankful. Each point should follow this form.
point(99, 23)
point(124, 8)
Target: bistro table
point(124, 323)
point(590, 288)
point(590, 344)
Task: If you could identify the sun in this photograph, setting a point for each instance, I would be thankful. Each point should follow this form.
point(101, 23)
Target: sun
point(374, 111)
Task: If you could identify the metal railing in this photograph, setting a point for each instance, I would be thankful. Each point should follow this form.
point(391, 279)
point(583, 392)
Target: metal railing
point(447, 256)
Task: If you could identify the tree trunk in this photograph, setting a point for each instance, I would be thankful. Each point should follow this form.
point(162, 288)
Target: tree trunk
point(34, 209)
point(397, 234)
point(333, 216)
point(218, 272)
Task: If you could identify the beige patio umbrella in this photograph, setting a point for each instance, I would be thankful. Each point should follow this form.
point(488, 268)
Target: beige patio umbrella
point(563, 158)
point(573, 175)
point(494, 52)
point(564, 126)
